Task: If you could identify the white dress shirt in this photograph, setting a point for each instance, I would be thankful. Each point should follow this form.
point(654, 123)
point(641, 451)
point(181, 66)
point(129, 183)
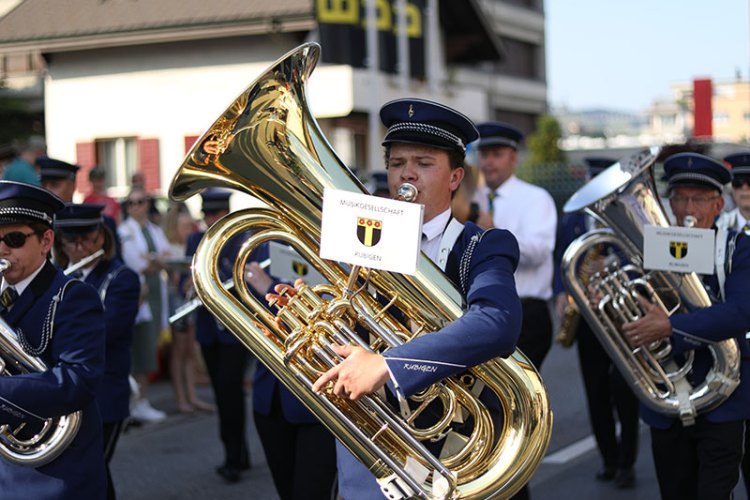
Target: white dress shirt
point(731, 220)
point(432, 231)
point(529, 212)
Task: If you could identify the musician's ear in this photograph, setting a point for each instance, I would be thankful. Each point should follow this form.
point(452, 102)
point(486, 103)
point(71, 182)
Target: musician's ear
point(47, 238)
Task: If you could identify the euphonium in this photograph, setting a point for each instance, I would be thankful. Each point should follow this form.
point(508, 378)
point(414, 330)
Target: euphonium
point(624, 199)
point(267, 144)
point(23, 445)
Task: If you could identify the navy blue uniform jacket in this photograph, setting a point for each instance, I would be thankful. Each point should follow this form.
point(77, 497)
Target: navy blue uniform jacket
point(730, 319)
point(489, 328)
point(75, 361)
point(119, 290)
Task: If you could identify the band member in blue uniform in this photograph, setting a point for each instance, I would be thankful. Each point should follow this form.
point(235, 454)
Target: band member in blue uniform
point(81, 232)
point(702, 460)
point(425, 145)
point(607, 393)
point(225, 357)
point(60, 321)
point(289, 433)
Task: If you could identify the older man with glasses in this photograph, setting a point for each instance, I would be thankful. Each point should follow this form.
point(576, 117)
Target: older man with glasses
point(702, 460)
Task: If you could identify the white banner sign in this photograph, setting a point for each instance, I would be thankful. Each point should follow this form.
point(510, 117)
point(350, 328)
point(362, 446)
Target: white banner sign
point(679, 249)
point(369, 231)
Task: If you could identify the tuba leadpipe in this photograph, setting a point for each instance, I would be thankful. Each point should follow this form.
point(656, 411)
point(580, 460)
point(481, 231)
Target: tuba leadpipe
point(624, 199)
point(48, 442)
point(268, 145)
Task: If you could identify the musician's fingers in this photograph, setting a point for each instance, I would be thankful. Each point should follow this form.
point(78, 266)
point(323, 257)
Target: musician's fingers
point(282, 287)
point(331, 374)
point(342, 350)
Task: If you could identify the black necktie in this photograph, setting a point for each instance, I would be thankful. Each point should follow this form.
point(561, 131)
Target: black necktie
point(7, 298)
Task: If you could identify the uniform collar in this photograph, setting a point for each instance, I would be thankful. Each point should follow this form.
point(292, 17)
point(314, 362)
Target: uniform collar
point(24, 283)
point(435, 227)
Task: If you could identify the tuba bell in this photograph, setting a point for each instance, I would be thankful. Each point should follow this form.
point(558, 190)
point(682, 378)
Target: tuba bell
point(23, 445)
point(268, 144)
point(624, 199)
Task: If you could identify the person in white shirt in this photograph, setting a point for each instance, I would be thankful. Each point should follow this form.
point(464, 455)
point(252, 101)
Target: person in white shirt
point(144, 248)
point(529, 213)
point(739, 217)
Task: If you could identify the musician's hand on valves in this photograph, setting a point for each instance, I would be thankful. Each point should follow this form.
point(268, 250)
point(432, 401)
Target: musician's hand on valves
point(652, 326)
point(360, 373)
point(283, 292)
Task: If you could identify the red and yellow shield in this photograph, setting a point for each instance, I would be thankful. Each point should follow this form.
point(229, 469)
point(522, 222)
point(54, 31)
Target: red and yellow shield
point(368, 231)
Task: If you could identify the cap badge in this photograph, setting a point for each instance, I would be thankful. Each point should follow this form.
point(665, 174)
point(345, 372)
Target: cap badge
point(411, 110)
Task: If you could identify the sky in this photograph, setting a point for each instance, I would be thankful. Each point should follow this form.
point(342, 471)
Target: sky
point(623, 54)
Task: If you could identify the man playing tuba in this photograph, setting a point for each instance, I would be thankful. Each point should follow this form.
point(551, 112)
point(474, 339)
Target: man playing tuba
point(60, 321)
point(425, 145)
point(702, 460)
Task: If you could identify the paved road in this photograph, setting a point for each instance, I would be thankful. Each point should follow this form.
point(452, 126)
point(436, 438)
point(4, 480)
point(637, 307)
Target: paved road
point(176, 459)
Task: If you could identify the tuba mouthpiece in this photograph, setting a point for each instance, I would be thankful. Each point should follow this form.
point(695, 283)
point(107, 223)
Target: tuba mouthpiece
point(689, 221)
point(407, 192)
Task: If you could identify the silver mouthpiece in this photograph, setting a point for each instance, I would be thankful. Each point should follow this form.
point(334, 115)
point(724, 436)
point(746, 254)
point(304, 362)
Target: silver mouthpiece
point(407, 192)
point(689, 221)
point(4, 265)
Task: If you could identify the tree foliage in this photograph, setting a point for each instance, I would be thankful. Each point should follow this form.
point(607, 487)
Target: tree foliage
point(543, 144)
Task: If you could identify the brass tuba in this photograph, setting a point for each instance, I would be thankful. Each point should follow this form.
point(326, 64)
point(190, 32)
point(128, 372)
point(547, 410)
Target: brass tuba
point(624, 199)
point(268, 144)
point(23, 445)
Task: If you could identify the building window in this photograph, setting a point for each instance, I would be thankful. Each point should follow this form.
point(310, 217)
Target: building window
point(520, 60)
point(721, 118)
point(119, 158)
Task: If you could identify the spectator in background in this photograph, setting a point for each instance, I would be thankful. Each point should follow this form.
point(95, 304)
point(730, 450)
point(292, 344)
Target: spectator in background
point(179, 225)
point(58, 177)
point(528, 212)
point(22, 168)
point(7, 154)
point(98, 194)
point(144, 248)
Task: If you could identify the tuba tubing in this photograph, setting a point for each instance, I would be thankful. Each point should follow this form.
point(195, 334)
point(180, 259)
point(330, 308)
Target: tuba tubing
point(56, 434)
point(268, 145)
point(624, 199)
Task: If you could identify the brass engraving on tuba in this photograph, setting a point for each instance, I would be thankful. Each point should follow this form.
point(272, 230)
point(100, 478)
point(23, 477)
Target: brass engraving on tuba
point(267, 144)
point(624, 199)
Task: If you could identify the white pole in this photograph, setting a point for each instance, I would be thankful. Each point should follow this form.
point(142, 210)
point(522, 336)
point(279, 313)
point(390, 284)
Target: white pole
point(432, 41)
point(373, 121)
point(404, 64)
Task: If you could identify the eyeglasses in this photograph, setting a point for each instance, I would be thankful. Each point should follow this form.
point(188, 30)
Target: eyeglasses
point(139, 201)
point(15, 239)
point(82, 240)
point(737, 183)
point(698, 201)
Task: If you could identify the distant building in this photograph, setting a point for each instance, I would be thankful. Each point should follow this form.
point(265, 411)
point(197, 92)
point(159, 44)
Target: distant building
point(129, 85)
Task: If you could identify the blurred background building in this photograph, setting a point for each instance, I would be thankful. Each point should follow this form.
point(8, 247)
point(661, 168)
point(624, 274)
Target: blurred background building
point(130, 84)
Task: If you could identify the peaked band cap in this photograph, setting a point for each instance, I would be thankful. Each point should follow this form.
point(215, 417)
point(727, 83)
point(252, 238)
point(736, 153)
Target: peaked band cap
point(428, 123)
point(215, 200)
point(740, 163)
point(51, 168)
point(498, 134)
point(696, 170)
point(79, 218)
point(22, 203)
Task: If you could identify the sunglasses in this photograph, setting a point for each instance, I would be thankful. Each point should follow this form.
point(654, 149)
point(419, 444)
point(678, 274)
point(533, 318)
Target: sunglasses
point(737, 183)
point(15, 239)
point(82, 240)
point(136, 202)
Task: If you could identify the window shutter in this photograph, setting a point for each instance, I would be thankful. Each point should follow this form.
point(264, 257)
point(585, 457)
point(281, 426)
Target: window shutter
point(148, 159)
